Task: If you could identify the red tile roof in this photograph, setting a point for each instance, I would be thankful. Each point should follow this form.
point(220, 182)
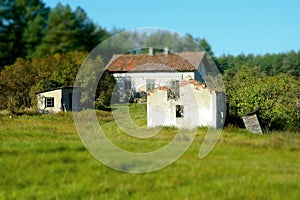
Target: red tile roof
point(185, 61)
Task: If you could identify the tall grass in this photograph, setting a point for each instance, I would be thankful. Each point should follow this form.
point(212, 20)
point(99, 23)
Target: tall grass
point(41, 157)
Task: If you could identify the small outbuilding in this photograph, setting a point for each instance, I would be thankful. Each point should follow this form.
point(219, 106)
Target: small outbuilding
point(58, 99)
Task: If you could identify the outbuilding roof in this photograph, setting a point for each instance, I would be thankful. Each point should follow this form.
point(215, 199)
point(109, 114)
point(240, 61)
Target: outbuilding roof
point(184, 61)
point(57, 88)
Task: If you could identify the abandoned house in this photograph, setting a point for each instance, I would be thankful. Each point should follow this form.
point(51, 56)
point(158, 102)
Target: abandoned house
point(57, 99)
point(173, 82)
point(140, 73)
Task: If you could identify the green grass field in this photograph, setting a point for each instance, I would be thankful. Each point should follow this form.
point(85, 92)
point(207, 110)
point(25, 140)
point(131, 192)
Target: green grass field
point(41, 157)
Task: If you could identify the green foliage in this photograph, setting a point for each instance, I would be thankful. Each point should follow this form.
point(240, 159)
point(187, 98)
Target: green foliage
point(60, 36)
point(204, 43)
point(69, 65)
point(68, 31)
point(87, 78)
point(33, 35)
point(276, 97)
point(19, 81)
point(270, 64)
point(29, 29)
point(16, 82)
point(105, 90)
point(11, 104)
point(21, 23)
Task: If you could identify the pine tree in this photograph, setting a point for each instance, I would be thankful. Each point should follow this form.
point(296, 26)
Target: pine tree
point(69, 31)
point(15, 16)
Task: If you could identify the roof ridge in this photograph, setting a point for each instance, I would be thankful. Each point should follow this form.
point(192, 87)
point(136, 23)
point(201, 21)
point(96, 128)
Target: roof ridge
point(181, 61)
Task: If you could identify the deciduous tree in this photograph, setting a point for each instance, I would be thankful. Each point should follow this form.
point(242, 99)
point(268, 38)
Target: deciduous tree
point(276, 97)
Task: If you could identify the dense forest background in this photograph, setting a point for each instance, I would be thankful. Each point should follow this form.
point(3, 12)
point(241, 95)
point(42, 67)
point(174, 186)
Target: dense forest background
point(43, 48)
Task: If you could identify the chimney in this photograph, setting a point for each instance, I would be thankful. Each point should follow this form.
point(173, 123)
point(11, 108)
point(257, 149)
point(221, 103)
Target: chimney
point(166, 51)
point(151, 51)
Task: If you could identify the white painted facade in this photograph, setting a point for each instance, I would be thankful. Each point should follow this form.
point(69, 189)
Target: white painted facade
point(58, 99)
point(201, 107)
point(139, 79)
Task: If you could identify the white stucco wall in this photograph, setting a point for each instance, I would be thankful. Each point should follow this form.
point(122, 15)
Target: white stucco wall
point(202, 107)
point(160, 111)
point(65, 98)
point(57, 94)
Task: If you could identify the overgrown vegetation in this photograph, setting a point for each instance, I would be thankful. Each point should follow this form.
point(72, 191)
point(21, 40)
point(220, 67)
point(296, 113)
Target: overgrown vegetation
point(275, 97)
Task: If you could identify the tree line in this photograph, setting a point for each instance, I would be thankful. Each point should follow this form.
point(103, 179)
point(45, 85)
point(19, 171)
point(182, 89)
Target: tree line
point(31, 29)
point(270, 64)
point(43, 48)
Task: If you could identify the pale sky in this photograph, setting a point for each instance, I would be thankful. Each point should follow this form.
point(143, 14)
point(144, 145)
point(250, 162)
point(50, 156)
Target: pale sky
point(231, 27)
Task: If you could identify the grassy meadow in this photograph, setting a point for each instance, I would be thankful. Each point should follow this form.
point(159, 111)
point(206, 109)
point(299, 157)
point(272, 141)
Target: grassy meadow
point(42, 157)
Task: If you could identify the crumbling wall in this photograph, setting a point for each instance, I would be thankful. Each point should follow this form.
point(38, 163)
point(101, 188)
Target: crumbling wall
point(160, 111)
point(201, 107)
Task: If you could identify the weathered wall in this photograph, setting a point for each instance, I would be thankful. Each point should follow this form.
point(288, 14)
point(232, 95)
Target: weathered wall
point(160, 111)
point(202, 107)
point(188, 99)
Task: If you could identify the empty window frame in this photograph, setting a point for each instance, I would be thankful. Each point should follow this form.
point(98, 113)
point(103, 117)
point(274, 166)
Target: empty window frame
point(49, 102)
point(127, 84)
point(179, 111)
point(173, 90)
point(150, 84)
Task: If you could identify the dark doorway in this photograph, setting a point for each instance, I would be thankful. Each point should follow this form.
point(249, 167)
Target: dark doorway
point(70, 101)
